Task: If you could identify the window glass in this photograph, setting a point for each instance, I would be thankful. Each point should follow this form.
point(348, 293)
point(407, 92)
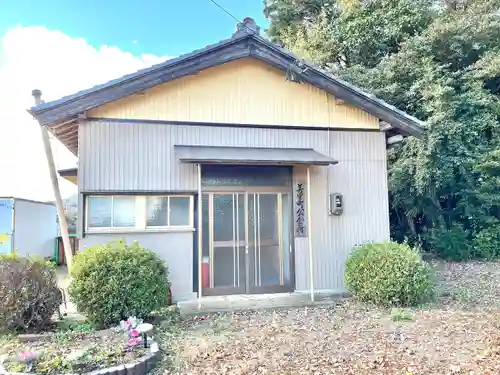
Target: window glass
point(99, 212)
point(130, 211)
point(179, 210)
point(123, 212)
point(157, 211)
point(238, 175)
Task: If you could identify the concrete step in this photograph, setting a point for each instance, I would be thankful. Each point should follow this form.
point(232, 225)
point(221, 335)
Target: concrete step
point(236, 302)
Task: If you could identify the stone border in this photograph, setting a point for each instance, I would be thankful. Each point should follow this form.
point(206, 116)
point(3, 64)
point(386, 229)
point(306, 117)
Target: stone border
point(29, 337)
point(142, 366)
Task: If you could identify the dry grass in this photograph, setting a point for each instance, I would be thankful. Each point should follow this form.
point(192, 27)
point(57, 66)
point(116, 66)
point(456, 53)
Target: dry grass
point(459, 334)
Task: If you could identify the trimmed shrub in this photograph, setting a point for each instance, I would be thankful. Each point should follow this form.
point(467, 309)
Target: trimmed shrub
point(114, 281)
point(29, 295)
point(451, 244)
point(388, 274)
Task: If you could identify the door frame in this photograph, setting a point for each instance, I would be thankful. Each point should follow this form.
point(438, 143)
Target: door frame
point(247, 288)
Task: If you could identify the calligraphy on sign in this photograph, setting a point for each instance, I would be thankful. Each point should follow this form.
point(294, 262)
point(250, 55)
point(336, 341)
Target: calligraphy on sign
point(300, 227)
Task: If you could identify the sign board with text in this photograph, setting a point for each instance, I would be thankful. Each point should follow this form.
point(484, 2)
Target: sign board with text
point(6, 214)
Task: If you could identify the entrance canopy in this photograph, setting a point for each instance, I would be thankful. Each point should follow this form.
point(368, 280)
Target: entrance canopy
point(251, 155)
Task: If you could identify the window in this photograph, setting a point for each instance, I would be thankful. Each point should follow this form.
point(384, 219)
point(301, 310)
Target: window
point(168, 211)
point(123, 212)
point(127, 212)
point(100, 212)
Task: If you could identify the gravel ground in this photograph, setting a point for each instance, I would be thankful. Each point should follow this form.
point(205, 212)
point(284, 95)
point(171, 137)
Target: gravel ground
point(458, 334)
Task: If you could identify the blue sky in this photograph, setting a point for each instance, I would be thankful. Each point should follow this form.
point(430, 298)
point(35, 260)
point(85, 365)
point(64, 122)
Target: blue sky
point(159, 27)
point(63, 46)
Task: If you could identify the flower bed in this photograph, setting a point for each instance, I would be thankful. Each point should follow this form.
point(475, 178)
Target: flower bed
point(119, 350)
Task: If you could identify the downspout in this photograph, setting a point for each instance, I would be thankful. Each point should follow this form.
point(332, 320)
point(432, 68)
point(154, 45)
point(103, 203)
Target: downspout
point(200, 239)
point(63, 224)
point(309, 234)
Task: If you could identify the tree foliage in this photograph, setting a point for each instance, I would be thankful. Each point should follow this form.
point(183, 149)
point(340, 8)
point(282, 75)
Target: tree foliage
point(349, 32)
point(439, 61)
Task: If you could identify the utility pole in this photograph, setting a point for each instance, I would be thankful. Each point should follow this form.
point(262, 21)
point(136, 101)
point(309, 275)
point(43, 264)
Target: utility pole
point(68, 253)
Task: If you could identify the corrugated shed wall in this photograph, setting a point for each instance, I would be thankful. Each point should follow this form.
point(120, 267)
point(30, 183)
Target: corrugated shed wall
point(35, 228)
point(140, 157)
point(245, 91)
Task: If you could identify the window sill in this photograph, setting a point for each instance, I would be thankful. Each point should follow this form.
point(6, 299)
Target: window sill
point(151, 230)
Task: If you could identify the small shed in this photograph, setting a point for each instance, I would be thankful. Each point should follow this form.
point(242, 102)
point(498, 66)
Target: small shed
point(28, 226)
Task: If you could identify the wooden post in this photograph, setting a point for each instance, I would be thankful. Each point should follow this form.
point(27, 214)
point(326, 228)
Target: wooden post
point(63, 224)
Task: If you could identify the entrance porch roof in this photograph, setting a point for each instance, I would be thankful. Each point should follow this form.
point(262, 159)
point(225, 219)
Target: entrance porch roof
point(250, 155)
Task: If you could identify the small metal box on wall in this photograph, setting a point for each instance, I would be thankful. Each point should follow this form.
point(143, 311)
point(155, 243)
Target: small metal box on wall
point(336, 204)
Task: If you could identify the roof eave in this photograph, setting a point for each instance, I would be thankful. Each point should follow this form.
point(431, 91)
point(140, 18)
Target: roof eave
point(40, 110)
point(228, 50)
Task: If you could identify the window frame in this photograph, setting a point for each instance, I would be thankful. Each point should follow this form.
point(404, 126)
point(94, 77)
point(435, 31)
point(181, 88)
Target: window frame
point(141, 214)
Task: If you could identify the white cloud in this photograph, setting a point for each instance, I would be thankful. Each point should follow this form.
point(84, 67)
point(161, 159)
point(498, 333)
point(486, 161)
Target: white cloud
point(35, 57)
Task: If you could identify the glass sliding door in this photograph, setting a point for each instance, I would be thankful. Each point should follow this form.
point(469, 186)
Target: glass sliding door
point(247, 242)
point(224, 244)
point(267, 232)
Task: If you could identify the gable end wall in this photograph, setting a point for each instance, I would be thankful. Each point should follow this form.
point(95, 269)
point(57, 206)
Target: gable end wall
point(245, 91)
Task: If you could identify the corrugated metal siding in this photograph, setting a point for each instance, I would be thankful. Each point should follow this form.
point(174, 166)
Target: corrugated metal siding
point(361, 176)
point(140, 157)
point(80, 204)
point(175, 248)
point(245, 91)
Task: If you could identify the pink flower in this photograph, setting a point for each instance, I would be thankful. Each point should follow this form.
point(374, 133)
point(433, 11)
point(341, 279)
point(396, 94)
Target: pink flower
point(134, 342)
point(28, 356)
point(134, 333)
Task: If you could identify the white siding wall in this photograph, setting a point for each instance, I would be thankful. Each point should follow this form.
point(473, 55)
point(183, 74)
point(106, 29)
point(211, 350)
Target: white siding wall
point(35, 228)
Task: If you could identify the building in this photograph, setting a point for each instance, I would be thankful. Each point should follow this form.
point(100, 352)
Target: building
point(245, 168)
point(28, 227)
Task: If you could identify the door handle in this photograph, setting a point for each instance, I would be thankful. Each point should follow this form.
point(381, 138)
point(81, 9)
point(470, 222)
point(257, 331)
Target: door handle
point(290, 248)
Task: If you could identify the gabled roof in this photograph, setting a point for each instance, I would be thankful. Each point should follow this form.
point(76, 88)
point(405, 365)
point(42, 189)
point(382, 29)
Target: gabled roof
point(243, 44)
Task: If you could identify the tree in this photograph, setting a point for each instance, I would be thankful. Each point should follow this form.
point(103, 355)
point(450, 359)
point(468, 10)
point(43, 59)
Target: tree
point(444, 69)
point(284, 14)
point(340, 34)
point(71, 218)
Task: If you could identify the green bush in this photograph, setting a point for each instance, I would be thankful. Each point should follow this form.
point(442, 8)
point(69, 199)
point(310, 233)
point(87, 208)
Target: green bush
point(451, 244)
point(487, 243)
point(388, 274)
point(114, 281)
point(29, 295)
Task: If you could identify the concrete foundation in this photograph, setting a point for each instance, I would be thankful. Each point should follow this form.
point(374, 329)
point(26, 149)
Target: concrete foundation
point(258, 301)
